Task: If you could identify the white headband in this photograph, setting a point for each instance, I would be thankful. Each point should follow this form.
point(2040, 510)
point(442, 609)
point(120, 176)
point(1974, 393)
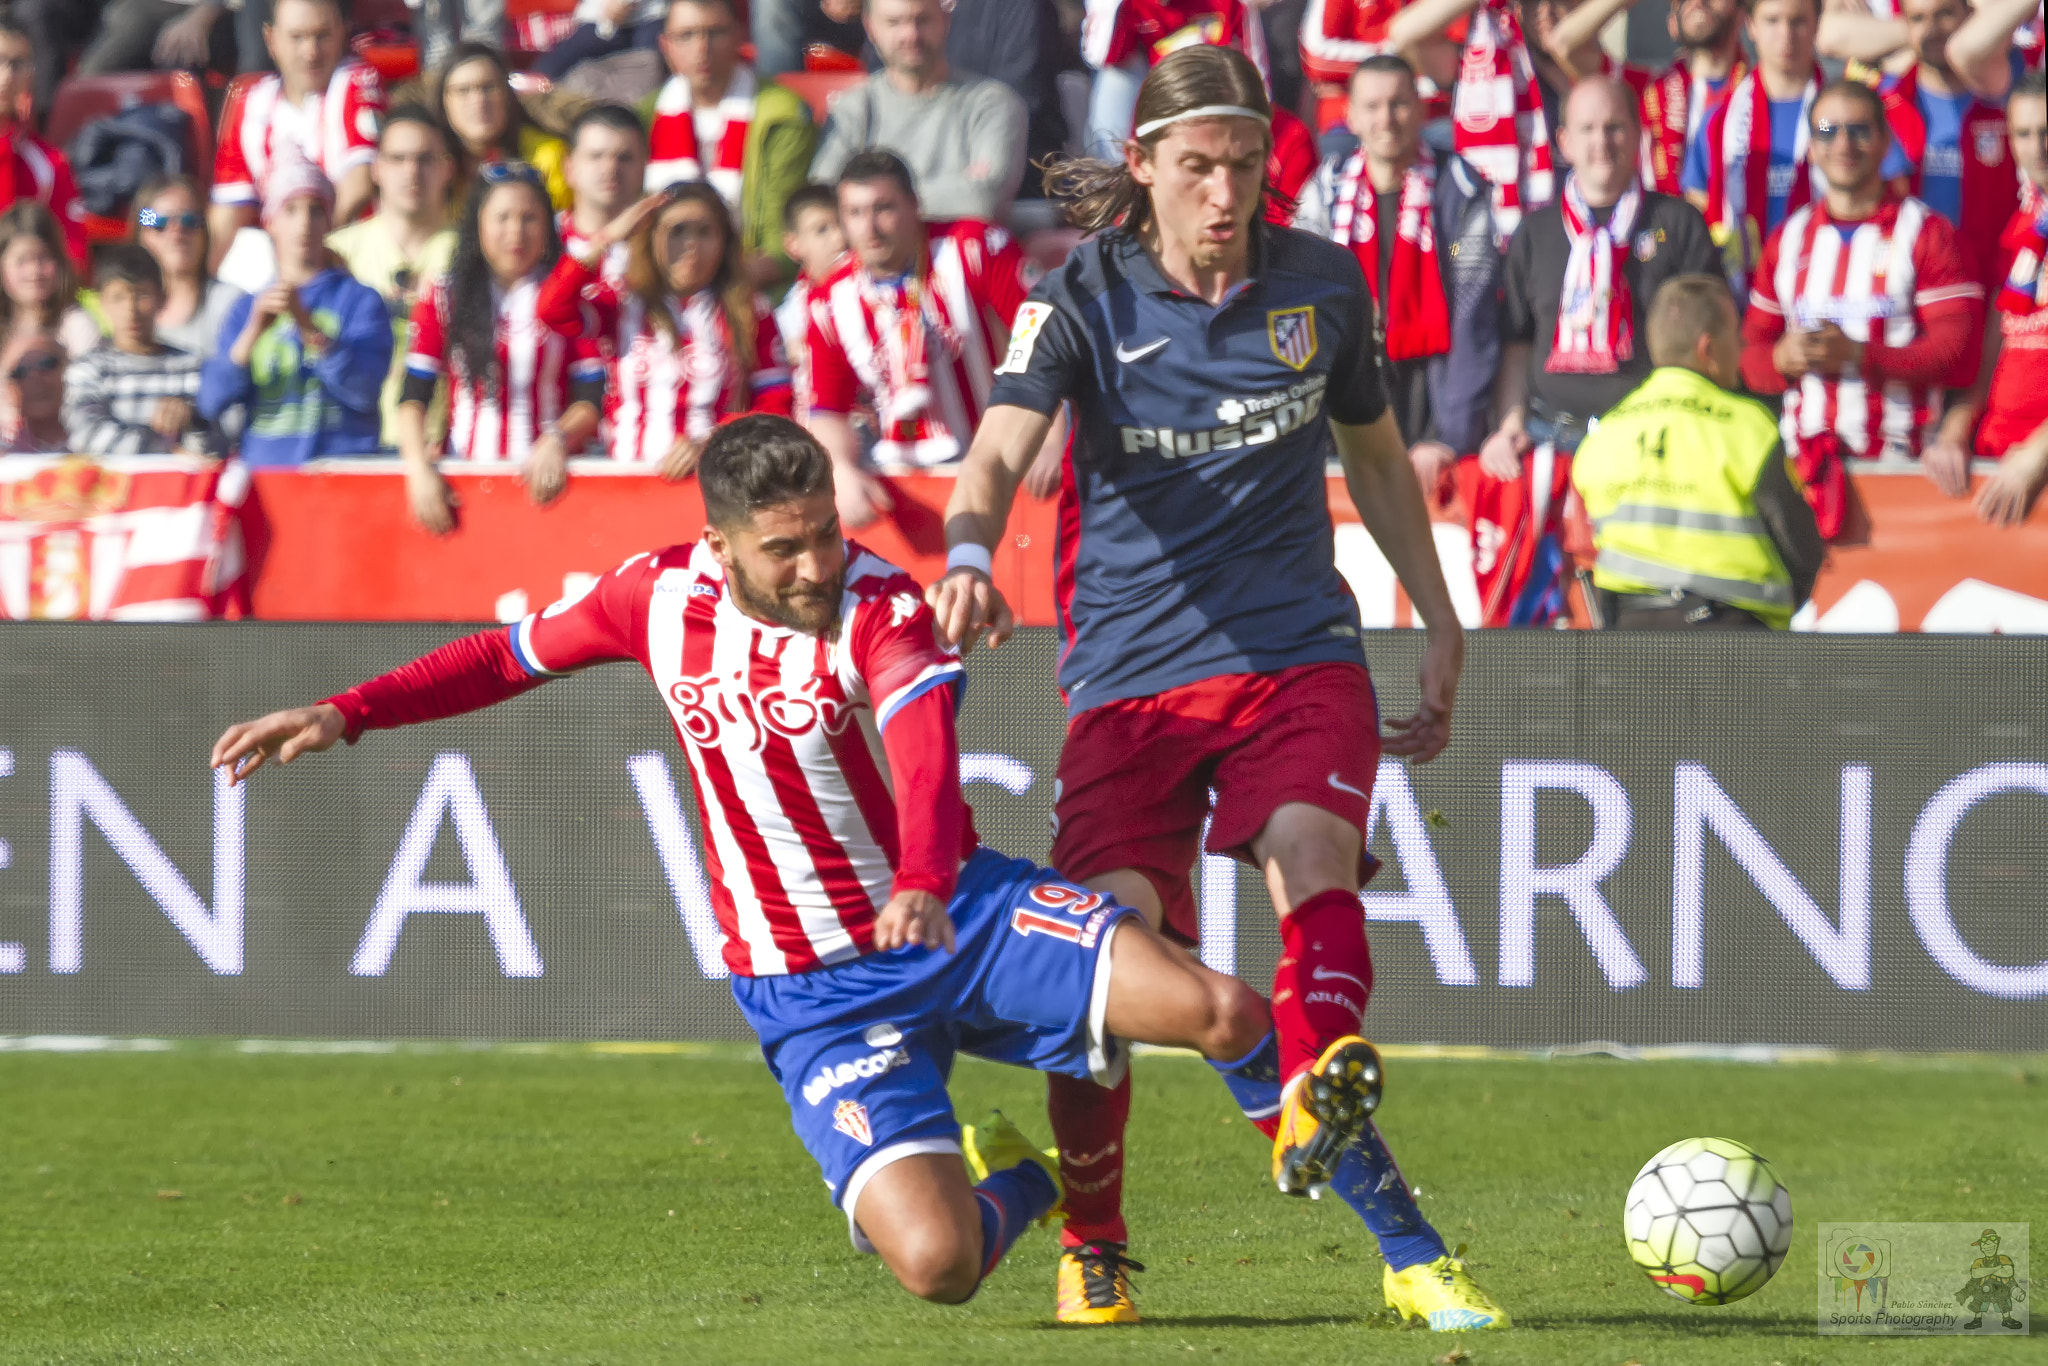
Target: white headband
point(1207, 111)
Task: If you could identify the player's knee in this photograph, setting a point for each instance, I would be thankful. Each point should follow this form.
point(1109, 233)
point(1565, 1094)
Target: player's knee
point(942, 1266)
point(1238, 1018)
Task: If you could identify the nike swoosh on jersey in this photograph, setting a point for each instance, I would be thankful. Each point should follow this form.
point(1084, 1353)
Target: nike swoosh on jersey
point(1343, 786)
point(1323, 974)
point(1147, 349)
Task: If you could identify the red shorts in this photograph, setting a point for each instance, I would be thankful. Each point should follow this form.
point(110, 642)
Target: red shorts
point(1135, 776)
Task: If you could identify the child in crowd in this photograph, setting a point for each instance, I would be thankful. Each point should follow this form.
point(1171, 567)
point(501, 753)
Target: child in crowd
point(307, 356)
point(131, 394)
point(32, 366)
point(812, 238)
point(38, 288)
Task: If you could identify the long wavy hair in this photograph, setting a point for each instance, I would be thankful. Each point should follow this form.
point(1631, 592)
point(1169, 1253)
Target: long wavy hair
point(648, 281)
point(1100, 195)
point(515, 112)
point(472, 315)
point(29, 218)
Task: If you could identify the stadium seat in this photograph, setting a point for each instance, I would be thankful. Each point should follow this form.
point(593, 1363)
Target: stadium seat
point(825, 57)
point(537, 25)
point(366, 16)
point(81, 99)
point(819, 88)
point(393, 61)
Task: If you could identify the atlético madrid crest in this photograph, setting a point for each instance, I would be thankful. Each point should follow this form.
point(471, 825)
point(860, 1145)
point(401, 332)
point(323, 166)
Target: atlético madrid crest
point(1293, 334)
point(850, 1117)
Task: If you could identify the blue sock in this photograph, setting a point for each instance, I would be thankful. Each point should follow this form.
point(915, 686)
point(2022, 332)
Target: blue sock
point(1369, 1182)
point(1254, 1081)
point(1009, 1200)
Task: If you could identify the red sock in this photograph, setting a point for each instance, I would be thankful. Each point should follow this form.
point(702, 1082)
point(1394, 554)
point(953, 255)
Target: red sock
point(1088, 1125)
point(1323, 978)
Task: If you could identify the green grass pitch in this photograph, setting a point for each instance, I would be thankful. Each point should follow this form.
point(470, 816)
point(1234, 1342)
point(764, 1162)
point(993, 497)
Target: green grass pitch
point(582, 1205)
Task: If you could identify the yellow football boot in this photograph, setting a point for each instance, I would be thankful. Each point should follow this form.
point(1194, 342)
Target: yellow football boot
point(1095, 1284)
point(996, 1145)
point(1443, 1294)
point(1322, 1112)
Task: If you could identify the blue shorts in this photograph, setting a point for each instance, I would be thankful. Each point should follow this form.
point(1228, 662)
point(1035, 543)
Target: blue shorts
point(863, 1049)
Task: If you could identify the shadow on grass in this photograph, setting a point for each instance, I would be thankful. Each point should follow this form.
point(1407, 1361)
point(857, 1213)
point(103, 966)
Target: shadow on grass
point(1774, 1325)
point(1239, 1321)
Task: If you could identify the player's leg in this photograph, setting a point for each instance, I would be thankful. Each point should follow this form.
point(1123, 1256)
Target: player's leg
point(940, 1236)
point(1132, 795)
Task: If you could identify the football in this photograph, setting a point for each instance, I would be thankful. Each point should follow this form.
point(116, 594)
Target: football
point(1707, 1221)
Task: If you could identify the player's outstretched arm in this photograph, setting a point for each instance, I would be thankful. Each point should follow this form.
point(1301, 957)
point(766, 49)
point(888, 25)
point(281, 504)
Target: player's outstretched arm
point(965, 600)
point(1389, 502)
point(283, 735)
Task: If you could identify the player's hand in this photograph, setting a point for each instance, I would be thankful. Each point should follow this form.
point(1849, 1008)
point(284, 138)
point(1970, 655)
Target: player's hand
point(2007, 494)
point(914, 918)
point(862, 498)
point(1502, 454)
point(172, 416)
point(1422, 737)
point(681, 460)
point(967, 602)
point(1947, 464)
point(433, 503)
point(547, 470)
point(283, 735)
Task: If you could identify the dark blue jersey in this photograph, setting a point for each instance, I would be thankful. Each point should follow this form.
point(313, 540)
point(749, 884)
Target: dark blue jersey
point(1195, 533)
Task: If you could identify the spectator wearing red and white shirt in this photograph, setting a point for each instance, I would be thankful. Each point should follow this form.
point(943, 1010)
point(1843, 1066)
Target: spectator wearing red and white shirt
point(29, 167)
point(1863, 311)
point(691, 344)
point(606, 162)
point(914, 324)
point(2004, 417)
point(519, 390)
point(317, 106)
point(1123, 39)
point(1674, 102)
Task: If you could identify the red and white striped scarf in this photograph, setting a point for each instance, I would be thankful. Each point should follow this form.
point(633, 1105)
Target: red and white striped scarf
point(908, 315)
point(1739, 172)
point(1595, 315)
point(673, 152)
point(1417, 317)
point(1497, 120)
point(2027, 236)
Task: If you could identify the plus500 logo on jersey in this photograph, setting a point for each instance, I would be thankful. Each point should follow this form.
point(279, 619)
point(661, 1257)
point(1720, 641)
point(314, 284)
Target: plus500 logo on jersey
point(1246, 422)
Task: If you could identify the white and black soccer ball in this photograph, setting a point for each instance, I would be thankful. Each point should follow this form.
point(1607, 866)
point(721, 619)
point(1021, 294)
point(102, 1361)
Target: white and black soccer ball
point(1707, 1221)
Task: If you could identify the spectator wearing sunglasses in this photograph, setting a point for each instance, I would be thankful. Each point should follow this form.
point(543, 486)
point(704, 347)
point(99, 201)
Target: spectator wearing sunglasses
point(32, 366)
point(306, 358)
point(518, 390)
point(1863, 309)
point(168, 220)
point(696, 346)
point(131, 394)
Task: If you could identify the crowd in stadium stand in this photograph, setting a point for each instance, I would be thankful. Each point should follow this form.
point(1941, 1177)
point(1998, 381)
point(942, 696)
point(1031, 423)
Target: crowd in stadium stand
point(450, 255)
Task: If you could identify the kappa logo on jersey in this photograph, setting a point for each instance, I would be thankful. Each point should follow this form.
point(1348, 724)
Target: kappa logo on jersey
point(879, 1063)
point(1246, 422)
point(1293, 334)
point(902, 607)
point(1024, 338)
point(707, 705)
point(850, 1117)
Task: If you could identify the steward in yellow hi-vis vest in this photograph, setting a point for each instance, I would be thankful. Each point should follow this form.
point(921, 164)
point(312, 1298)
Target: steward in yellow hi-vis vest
point(1697, 516)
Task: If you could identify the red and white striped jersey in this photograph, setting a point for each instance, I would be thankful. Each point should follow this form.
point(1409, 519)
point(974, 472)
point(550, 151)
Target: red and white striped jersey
point(783, 732)
point(921, 348)
point(687, 143)
point(1880, 281)
point(663, 386)
point(32, 169)
point(576, 244)
point(536, 366)
point(336, 130)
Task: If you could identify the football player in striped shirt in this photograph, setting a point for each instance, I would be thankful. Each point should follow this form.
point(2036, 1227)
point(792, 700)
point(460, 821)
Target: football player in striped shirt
point(871, 937)
point(519, 391)
point(692, 344)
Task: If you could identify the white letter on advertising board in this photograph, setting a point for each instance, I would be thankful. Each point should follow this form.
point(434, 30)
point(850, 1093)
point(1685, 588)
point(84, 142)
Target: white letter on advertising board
point(451, 788)
point(1427, 901)
point(676, 847)
point(1927, 881)
point(1697, 803)
point(79, 793)
point(1578, 882)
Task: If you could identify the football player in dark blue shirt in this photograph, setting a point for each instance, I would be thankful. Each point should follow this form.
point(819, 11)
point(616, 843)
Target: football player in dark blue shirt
point(1214, 363)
